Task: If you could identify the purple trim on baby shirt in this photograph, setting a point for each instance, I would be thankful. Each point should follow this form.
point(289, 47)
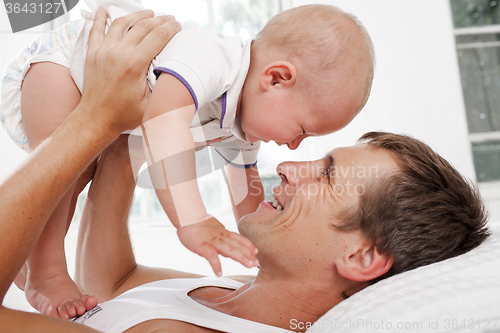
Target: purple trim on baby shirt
point(246, 166)
point(157, 71)
point(224, 104)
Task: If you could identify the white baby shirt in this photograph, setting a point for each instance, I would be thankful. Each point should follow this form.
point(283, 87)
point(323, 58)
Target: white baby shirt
point(213, 68)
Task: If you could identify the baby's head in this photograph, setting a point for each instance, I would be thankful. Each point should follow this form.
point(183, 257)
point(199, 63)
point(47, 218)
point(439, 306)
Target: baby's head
point(310, 73)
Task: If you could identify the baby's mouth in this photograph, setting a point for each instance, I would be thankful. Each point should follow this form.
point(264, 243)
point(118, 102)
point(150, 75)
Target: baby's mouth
point(275, 203)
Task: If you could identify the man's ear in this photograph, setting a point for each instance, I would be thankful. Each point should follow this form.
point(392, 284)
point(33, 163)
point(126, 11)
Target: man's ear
point(363, 263)
point(278, 74)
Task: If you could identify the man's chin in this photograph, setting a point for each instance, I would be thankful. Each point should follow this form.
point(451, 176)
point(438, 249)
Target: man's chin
point(247, 226)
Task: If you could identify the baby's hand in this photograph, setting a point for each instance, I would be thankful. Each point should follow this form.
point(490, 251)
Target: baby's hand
point(209, 238)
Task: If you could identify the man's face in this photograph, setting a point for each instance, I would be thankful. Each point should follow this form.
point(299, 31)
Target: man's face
point(311, 195)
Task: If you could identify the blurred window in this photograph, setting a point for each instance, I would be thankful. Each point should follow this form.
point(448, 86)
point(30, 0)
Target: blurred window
point(477, 35)
point(475, 13)
point(487, 159)
point(244, 18)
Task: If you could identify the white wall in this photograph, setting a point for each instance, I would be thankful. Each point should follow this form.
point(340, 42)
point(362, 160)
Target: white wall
point(417, 87)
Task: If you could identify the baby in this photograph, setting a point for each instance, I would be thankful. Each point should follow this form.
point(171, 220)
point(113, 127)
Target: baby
point(307, 73)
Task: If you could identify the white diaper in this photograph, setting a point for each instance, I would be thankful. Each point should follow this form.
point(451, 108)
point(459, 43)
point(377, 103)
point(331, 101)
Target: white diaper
point(53, 46)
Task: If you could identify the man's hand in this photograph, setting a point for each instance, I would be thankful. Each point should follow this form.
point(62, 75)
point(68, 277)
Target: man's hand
point(114, 78)
point(116, 66)
point(209, 238)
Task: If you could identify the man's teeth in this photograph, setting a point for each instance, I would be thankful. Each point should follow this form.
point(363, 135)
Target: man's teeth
point(274, 203)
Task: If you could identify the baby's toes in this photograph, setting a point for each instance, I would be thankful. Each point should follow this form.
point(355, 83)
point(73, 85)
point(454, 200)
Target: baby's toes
point(71, 309)
point(89, 302)
point(79, 307)
point(62, 310)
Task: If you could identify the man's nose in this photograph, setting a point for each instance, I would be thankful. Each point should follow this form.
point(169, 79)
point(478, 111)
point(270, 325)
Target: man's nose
point(294, 173)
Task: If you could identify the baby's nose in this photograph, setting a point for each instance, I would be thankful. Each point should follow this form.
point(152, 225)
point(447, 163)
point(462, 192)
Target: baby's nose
point(295, 143)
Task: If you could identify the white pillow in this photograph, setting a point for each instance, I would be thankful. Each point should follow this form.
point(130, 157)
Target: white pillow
point(461, 294)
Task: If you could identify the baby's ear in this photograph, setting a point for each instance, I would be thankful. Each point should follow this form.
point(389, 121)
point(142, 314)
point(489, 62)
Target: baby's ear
point(363, 263)
point(278, 74)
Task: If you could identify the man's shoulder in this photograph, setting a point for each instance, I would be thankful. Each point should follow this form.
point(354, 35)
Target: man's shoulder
point(241, 278)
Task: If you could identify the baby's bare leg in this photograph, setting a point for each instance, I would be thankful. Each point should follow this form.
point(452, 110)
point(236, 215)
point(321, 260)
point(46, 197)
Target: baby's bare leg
point(48, 97)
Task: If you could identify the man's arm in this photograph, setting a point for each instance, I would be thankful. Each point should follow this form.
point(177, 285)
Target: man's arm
point(106, 265)
point(28, 198)
point(115, 73)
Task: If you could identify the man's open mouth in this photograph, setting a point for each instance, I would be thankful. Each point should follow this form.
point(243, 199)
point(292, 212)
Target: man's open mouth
point(275, 203)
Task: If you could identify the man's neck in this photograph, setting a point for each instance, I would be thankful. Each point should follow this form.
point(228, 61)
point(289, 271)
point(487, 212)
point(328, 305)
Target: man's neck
point(277, 302)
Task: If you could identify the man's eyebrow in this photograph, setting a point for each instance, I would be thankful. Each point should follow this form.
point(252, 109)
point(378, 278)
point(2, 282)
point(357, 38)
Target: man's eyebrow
point(330, 160)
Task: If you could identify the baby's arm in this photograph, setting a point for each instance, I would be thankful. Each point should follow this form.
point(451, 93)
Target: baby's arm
point(171, 157)
point(246, 189)
point(170, 151)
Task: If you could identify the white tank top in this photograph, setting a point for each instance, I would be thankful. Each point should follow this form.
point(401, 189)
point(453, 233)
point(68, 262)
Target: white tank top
point(168, 299)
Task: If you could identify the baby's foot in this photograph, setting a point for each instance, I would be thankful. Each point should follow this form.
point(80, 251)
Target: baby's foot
point(58, 296)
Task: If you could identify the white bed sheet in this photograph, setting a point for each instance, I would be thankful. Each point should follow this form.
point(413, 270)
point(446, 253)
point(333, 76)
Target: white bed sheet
point(461, 294)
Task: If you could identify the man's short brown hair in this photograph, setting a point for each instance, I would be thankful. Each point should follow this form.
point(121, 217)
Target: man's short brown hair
point(426, 213)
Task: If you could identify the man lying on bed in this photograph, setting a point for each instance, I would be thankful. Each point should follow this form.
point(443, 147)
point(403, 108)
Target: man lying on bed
point(412, 208)
point(360, 214)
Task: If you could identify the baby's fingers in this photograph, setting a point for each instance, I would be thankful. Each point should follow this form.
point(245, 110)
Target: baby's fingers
point(245, 241)
point(232, 248)
point(209, 253)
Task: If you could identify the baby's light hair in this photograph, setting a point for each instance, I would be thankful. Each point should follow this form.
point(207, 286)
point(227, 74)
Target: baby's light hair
point(320, 36)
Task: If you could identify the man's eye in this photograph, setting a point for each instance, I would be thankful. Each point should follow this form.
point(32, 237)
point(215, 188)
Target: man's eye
point(326, 173)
